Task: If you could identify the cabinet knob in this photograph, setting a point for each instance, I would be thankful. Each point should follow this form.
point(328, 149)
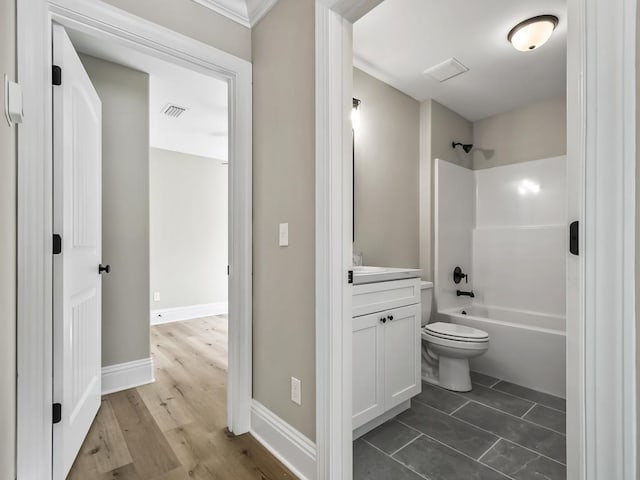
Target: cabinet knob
point(390, 317)
point(383, 320)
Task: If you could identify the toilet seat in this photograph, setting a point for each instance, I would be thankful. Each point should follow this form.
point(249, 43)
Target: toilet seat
point(454, 332)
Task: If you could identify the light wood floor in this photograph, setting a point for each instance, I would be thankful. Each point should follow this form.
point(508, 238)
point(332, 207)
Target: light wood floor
point(175, 428)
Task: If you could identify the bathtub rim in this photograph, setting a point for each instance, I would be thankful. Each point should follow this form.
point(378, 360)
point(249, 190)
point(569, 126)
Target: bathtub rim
point(457, 312)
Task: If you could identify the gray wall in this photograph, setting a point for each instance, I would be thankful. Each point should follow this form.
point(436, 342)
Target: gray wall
point(8, 249)
point(536, 131)
point(193, 20)
point(387, 155)
point(125, 209)
point(283, 46)
point(439, 126)
point(189, 229)
point(447, 127)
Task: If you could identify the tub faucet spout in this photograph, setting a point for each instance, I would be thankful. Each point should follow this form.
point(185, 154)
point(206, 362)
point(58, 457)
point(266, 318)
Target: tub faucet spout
point(460, 293)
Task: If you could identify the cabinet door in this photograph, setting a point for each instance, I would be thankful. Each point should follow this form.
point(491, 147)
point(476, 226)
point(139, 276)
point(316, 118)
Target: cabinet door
point(368, 368)
point(402, 350)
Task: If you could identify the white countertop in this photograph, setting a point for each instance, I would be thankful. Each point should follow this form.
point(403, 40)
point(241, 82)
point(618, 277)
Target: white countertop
point(386, 274)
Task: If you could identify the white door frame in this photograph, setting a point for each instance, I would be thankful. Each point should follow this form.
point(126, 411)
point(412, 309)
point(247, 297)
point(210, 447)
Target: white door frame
point(34, 340)
point(333, 245)
point(601, 152)
point(601, 321)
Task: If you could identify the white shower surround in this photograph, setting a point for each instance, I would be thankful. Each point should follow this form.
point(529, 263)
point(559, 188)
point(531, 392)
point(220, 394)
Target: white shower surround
point(506, 227)
point(454, 221)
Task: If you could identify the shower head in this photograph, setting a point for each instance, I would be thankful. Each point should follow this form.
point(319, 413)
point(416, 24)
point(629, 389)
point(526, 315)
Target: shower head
point(465, 146)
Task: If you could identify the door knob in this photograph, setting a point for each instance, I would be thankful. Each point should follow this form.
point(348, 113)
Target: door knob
point(104, 268)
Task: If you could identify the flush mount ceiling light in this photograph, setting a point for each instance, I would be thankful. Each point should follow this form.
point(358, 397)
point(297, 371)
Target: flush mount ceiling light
point(532, 33)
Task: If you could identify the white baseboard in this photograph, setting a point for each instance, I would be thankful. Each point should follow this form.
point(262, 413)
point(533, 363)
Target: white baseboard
point(127, 375)
point(287, 444)
point(188, 312)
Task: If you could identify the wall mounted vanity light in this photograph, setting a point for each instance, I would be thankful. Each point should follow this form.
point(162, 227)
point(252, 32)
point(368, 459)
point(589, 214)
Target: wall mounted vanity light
point(533, 32)
point(355, 121)
point(355, 113)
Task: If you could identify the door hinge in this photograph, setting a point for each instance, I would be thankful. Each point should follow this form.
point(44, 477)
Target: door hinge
point(57, 244)
point(56, 75)
point(350, 276)
point(574, 238)
point(57, 413)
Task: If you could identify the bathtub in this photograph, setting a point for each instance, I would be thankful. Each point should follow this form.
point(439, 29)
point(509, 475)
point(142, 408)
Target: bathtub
point(527, 348)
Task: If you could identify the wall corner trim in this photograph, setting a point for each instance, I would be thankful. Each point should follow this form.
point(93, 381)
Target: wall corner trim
point(292, 448)
point(188, 312)
point(123, 376)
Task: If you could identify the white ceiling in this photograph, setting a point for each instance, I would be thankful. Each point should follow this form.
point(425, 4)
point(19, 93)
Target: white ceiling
point(398, 40)
point(203, 129)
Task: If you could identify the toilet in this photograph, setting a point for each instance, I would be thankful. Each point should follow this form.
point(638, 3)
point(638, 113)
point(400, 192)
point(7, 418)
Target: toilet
point(447, 348)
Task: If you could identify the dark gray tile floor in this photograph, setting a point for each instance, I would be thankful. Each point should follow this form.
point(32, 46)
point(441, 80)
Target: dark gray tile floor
point(499, 431)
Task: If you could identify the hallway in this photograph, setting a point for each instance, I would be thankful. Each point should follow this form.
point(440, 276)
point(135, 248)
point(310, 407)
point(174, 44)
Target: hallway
point(175, 428)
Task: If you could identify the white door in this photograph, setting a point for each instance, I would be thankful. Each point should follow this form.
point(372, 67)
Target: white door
point(77, 163)
point(402, 361)
point(368, 368)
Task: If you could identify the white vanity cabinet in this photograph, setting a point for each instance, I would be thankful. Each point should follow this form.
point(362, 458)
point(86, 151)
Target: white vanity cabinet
point(386, 350)
point(402, 349)
point(368, 368)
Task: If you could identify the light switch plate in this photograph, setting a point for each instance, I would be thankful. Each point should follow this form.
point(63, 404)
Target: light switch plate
point(296, 391)
point(284, 234)
point(156, 296)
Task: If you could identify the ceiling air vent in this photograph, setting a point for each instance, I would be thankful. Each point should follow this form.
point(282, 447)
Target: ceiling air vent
point(446, 70)
point(172, 110)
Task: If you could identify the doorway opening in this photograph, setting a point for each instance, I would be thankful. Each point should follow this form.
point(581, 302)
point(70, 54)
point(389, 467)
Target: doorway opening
point(124, 43)
point(467, 136)
point(590, 194)
point(165, 193)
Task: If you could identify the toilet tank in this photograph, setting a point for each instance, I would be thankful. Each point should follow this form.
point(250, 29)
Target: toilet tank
point(426, 298)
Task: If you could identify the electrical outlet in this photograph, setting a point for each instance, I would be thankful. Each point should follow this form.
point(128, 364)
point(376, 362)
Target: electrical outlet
point(156, 296)
point(296, 391)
